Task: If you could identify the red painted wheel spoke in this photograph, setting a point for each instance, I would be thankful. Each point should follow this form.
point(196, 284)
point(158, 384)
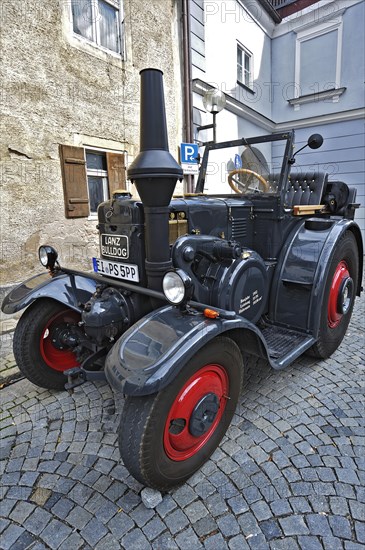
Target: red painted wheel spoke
point(341, 273)
point(58, 359)
point(179, 442)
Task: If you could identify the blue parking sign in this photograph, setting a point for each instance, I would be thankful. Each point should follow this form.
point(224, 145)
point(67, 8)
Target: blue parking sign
point(189, 153)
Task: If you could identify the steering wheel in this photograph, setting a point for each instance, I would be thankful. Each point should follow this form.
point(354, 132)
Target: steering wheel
point(231, 179)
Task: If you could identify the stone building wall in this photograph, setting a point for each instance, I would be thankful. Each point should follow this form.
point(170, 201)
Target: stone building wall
point(57, 89)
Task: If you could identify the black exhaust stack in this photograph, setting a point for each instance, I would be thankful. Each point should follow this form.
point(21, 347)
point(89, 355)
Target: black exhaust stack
point(155, 173)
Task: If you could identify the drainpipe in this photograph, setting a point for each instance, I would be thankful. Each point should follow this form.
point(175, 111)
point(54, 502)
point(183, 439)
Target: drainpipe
point(188, 103)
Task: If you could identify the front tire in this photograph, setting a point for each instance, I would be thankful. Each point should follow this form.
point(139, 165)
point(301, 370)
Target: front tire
point(164, 438)
point(339, 297)
point(37, 356)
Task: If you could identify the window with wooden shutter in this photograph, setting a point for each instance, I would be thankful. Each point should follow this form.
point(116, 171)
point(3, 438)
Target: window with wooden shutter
point(116, 172)
point(73, 166)
point(90, 176)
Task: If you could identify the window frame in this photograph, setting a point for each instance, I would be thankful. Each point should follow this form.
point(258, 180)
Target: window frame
point(98, 173)
point(118, 6)
point(246, 53)
point(309, 34)
point(102, 173)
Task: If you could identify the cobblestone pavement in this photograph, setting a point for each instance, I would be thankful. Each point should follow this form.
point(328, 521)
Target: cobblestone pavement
point(289, 474)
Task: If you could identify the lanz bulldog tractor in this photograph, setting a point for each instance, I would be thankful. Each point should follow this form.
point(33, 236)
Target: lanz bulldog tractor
point(186, 287)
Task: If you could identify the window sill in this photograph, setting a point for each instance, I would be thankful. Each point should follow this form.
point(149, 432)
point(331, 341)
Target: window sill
point(333, 93)
point(95, 49)
point(247, 88)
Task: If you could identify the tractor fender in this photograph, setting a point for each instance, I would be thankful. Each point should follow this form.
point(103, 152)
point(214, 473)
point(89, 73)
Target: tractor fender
point(323, 268)
point(71, 290)
point(150, 354)
point(300, 277)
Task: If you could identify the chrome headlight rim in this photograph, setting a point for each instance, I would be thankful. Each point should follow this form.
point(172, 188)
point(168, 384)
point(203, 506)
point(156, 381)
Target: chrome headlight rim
point(177, 287)
point(47, 256)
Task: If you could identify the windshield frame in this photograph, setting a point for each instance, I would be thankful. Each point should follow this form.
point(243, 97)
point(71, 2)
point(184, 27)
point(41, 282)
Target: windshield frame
point(285, 167)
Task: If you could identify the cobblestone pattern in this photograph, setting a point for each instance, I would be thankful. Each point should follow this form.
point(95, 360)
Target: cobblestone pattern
point(8, 367)
point(288, 475)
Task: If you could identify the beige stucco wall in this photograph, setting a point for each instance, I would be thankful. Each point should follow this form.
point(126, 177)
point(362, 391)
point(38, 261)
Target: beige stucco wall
point(57, 89)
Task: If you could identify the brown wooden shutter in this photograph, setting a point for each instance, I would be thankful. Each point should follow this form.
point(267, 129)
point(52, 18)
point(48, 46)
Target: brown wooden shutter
point(116, 172)
point(74, 180)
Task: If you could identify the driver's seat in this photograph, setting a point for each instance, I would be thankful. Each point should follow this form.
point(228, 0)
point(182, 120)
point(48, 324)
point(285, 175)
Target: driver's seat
point(302, 189)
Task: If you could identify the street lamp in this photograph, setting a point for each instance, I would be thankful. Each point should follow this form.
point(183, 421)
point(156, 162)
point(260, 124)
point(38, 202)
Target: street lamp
point(214, 102)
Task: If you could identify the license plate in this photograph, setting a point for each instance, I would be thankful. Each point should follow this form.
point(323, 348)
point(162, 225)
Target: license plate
point(128, 272)
point(114, 246)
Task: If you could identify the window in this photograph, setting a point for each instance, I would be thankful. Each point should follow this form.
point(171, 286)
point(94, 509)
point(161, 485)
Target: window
point(98, 21)
point(90, 176)
point(318, 62)
point(244, 66)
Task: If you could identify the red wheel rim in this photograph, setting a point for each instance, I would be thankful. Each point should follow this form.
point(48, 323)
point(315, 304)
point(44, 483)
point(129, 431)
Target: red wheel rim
point(211, 380)
point(341, 273)
point(58, 359)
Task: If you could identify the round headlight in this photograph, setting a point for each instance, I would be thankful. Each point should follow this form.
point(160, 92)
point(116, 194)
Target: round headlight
point(177, 286)
point(43, 256)
point(47, 256)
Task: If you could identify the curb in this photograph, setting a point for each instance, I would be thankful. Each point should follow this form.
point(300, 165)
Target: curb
point(4, 330)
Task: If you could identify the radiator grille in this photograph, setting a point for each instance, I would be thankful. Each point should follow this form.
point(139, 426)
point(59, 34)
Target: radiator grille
point(239, 228)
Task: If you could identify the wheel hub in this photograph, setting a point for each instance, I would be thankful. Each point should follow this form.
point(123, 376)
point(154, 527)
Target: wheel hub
point(345, 295)
point(204, 414)
point(61, 337)
point(340, 296)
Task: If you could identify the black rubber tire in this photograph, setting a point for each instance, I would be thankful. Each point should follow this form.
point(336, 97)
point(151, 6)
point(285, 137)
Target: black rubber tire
point(27, 336)
point(143, 421)
point(329, 338)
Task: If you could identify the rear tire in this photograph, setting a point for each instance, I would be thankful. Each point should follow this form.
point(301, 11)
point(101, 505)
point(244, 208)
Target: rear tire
point(333, 324)
point(36, 356)
point(164, 438)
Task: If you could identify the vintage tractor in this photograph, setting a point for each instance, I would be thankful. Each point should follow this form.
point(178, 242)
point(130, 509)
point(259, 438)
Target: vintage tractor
point(186, 287)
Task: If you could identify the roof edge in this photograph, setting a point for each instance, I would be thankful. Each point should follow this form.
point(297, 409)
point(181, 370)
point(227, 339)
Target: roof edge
point(294, 7)
point(268, 7)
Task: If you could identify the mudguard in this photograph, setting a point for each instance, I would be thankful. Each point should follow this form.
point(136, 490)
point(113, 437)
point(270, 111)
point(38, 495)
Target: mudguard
point(71, 290)
point(149, 355)
point(302, 271)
